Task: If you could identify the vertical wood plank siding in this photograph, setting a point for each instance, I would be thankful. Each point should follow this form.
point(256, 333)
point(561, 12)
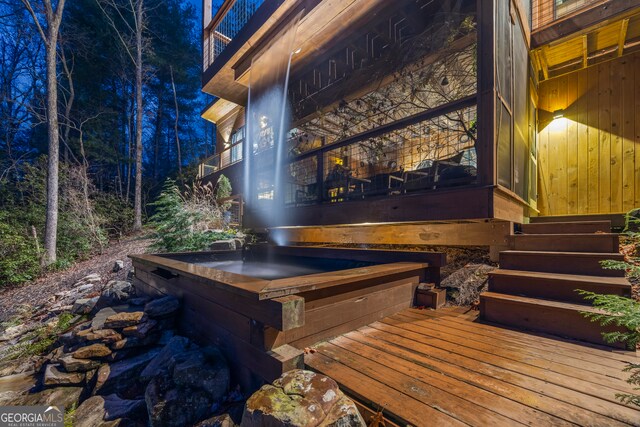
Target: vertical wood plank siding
point(589, 160)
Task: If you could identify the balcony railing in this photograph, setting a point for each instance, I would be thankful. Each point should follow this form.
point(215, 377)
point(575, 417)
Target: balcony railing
point(226, 24)
point(224, 159)
point(545, 12)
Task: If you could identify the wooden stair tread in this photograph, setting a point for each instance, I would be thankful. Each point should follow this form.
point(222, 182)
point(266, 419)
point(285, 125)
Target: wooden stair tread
point(552, 235)
point(600, 280)
point(582, 227)
point(541, 302)
point(564, 253)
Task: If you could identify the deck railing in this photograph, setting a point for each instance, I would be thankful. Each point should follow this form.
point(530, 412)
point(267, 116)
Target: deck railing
point(224, 159)
point(226, 24)
point(545, 12)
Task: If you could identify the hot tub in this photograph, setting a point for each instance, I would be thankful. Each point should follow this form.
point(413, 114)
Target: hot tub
point(264, 304)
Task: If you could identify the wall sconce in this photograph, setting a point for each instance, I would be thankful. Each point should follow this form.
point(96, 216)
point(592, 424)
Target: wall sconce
point(558, 114)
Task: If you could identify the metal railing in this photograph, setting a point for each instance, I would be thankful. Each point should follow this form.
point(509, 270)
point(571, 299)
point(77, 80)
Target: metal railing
point(545, 12)
point(234, 210)
point(226, 24)
point(224, 159)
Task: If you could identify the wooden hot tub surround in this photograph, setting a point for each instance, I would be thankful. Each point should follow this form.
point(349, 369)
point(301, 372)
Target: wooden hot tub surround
point(264, 325)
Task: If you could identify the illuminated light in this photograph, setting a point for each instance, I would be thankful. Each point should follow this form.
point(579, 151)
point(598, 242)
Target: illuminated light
point(558, 114)
point(298, 50)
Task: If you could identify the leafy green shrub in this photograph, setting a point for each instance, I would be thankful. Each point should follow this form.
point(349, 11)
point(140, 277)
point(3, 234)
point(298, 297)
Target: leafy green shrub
point(186, 223)
point(19, 257)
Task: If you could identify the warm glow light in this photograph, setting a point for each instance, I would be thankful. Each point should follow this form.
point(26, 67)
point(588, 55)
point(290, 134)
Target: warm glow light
point(298, 50)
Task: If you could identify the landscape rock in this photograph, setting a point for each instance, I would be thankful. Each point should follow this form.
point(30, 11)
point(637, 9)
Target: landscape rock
point(93, 351)
point(217, 421)
point(101, 411)
point(55, 377)
point(63, 396)
point(14, 386)
point(116, 291)
point(84, 305)
point(71, 364)
point(91, 278)
point(206, 370)
point(224, 245)
point(121, 375)
point(139, 301)
point(17, 366)
point(174, 407)
point(467, 283)
point(105, 336)
point(163, 362)
point(15, 331)
point(117, 266)
point(301, 398)
point(141, 330)
point(124, 319)
point(162, 307)
point(132, 342)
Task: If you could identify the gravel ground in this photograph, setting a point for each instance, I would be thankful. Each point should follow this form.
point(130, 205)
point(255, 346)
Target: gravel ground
point(15, 300)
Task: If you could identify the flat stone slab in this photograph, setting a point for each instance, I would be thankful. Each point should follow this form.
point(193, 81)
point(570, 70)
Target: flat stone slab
point(122, 320)
point(53, 376)
point(93, 351)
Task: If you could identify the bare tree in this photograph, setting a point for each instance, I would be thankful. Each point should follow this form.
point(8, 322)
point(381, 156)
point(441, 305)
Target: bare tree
point(48, 29)
point(175, 123)
point(130, 34)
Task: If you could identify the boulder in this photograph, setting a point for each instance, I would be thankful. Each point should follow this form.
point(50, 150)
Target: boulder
point(71, 364)
point(116, 292)
point(168, 406)
point(93, 351)
point(124, 319)
point(139, 301)
point(84, 305)
point(121, 375)
point(164, 361)
point(53, 376)
point(117, 265)
point(14, 386)
point(210, 375)
point(217, 421)
point(162, 307)
point(140, 330)
point(103, 411)
point(301, 398)
point(224, 245)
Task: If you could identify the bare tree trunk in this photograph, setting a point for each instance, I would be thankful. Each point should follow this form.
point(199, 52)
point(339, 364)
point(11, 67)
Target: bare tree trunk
point(50, 39)
point(175, 123)
point(137, 204)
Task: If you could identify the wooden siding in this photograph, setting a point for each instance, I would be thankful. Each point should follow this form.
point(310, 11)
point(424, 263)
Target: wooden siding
point(589, 160)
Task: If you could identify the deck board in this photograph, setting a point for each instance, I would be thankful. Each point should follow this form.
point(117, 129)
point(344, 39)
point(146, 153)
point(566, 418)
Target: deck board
point(424, 367)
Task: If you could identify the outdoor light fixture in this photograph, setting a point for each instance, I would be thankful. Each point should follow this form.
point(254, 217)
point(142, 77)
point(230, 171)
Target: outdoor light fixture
point(445, 81)
point(298, 50)
point(558, 114)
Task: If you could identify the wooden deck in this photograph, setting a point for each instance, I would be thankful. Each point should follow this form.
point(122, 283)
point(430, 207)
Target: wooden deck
point(424, 367)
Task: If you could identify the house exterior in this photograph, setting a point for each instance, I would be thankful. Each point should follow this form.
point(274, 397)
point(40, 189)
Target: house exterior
point(424, 122)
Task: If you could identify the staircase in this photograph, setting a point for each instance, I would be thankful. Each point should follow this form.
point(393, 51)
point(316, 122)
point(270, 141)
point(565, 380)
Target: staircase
point(534, 288)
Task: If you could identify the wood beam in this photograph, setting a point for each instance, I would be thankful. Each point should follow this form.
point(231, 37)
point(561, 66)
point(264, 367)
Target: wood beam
point(585, 50)
point(624, 26)
point(543, 61)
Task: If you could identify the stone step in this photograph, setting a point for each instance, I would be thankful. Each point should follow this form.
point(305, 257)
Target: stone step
point(583, 263)
point(554, 286)
point(566, 227)
point(552, 317)
point(575, 242)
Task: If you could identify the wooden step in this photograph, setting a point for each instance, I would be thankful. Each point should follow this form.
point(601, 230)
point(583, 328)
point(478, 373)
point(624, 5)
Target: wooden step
point(576, 242)
point(554, 286)
point(566, 227)
point(552, 317)
point(582, 263)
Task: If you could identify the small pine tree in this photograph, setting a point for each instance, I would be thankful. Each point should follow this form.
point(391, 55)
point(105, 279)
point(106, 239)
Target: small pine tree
point(178, 222)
